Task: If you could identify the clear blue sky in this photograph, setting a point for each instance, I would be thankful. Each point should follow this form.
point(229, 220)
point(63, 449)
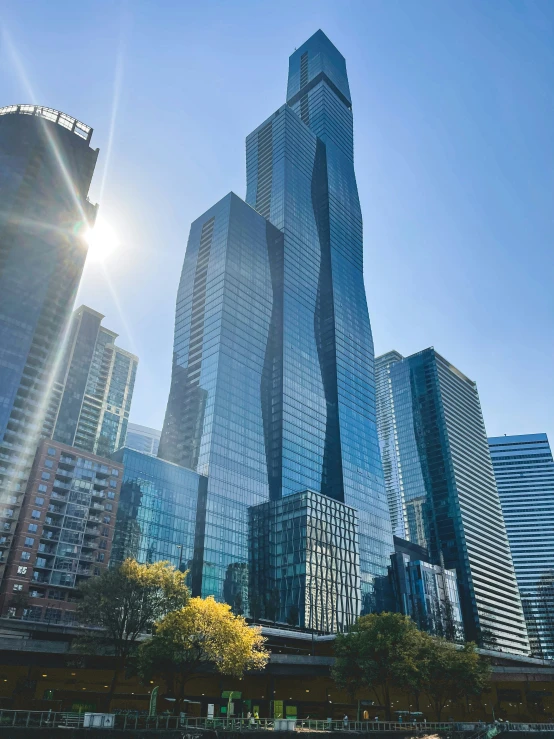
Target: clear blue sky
point(454, 130)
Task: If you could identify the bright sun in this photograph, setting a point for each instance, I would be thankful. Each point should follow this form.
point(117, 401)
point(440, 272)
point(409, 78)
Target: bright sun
point(102, 240)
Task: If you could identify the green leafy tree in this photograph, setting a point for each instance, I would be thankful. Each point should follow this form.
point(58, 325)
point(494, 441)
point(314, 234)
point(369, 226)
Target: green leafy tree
point(125, 602)
point(202, 635)
point(449, 673)
point(380, 652)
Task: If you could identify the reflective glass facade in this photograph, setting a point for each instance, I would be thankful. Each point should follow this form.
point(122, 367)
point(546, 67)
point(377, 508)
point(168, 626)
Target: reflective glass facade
point(91, 397)
point(157, 510)
point(524, 472)
point(46, 166)
point(305, 562)
point(388, 442)
point(427, 592)
point(451, 502)
point(272, 387)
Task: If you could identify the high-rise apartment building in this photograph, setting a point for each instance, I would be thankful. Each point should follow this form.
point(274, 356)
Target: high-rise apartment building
point(46, 169)
point(63, 535)
point(272, 390)
point(524, 472)
point(92, 393)
point(450, 501)
point(142, 439)
point(388, 443)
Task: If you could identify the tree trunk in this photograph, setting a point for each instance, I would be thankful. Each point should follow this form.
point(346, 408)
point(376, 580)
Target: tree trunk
point(119, 663)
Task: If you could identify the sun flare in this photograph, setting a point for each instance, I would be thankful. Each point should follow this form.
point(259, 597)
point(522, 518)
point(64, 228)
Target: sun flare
point(102, 241)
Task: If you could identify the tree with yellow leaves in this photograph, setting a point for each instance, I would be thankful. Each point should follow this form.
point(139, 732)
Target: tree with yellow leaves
point(201, 635)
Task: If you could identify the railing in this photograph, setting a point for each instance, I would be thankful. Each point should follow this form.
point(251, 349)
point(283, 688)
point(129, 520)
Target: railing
point(134, 720)
point(56, 116)
point(40, 719)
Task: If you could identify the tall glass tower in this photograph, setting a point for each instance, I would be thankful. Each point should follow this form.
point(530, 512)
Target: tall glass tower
point(272, 389)
point(450, 501)
point(524, 471)
point(46, 166)
point(92, 394)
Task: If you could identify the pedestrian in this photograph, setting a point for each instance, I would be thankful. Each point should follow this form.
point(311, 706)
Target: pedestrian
point(345, 721)
point(256, 718)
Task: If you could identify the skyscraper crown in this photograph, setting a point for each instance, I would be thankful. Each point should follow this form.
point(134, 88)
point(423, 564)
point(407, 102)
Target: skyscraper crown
point(318, 59)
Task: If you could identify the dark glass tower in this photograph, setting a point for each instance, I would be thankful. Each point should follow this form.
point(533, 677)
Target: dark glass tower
point(450, 500)
point(46, 166)
point(273, 382)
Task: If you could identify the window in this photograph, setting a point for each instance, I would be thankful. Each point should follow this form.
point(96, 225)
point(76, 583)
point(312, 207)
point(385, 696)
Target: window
point(17, 587)
point(35, 514)
point(26, 556)
point(108, 507)
point(33, 528)
point(3, 539)
point(49, 463)
point(45, 475)
point(12, 499)
point(41, 562)
point(101, 556)
point(21, 570)
point(11, 612)
point(39, 501)
point(51, 451)
point(7, 526)
point(29, 541)
point(113, 483)
point(111, 495)
point(115, 473)
point(36, 593)
point(8, 512)
point(42, 488)
point(107, 519)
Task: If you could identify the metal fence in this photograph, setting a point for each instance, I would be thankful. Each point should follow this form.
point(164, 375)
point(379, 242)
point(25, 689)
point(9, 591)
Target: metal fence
point(133, 720)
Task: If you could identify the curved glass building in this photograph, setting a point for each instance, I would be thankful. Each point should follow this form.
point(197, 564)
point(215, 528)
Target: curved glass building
point(272, 389)
point(46, 166)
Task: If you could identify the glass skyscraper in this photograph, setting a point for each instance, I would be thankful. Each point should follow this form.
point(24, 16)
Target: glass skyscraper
point(524, 471)
point(272, 390)
point(92, 394)
point(450, 501)
point(46, 166)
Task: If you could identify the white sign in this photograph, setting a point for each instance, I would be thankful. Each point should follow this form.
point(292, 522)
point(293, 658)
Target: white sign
point(210, 710)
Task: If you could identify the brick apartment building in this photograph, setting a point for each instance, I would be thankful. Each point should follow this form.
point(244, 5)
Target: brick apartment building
point(63, 535)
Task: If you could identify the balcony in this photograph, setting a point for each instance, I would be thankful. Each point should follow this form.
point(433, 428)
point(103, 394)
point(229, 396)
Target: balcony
point(49, 521)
